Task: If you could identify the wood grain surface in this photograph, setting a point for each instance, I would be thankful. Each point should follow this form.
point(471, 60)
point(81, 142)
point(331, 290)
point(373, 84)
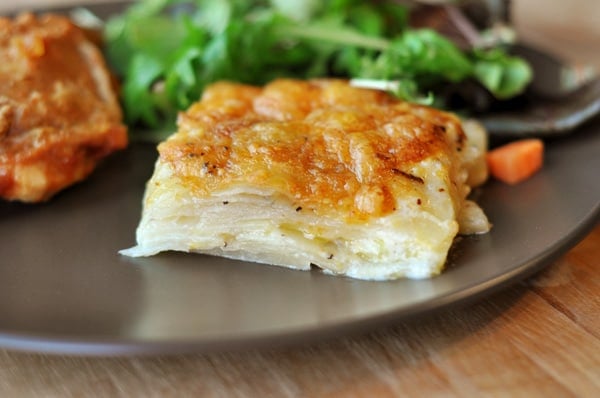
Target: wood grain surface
point(538, 338)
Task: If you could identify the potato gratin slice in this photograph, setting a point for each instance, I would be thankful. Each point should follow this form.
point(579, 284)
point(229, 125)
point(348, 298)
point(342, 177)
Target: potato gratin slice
point(314, 172)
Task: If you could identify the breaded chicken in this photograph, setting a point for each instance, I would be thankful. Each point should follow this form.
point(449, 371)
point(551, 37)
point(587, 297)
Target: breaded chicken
point(314, 172)
point(59, 114)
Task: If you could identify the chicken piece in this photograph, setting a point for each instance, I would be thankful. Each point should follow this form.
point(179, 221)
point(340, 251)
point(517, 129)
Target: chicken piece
point(59, 114)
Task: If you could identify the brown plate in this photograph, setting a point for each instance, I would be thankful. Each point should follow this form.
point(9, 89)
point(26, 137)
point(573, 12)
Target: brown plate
point(65, 289)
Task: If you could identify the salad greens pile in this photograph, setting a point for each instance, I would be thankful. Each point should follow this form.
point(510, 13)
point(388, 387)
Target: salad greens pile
point(167, 51)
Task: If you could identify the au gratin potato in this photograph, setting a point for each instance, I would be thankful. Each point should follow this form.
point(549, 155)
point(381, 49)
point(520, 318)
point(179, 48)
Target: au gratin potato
point(300, 173)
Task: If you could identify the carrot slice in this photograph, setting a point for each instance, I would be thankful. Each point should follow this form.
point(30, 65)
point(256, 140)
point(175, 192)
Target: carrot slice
point(516, 161)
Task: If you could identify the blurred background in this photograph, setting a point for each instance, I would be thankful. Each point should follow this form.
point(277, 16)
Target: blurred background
point(568, 28)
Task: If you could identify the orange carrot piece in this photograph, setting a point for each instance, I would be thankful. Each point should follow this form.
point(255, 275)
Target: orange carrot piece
point(516, 161)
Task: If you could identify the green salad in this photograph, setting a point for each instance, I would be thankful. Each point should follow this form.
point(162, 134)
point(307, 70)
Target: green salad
point(167, 51)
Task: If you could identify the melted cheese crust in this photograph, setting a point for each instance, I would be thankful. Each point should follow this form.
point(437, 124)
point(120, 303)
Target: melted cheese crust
point(311, 172)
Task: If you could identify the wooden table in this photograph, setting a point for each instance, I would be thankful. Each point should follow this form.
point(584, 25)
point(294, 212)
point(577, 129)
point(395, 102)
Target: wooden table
point(539, 338)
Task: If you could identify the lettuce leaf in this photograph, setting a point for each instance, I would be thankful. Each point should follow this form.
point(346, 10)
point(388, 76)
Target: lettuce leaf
point(167, 51)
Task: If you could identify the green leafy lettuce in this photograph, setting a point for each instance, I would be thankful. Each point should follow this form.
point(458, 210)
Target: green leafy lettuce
point(167, 51)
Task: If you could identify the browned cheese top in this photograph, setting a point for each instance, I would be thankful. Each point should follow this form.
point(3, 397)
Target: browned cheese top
point(319, 142)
